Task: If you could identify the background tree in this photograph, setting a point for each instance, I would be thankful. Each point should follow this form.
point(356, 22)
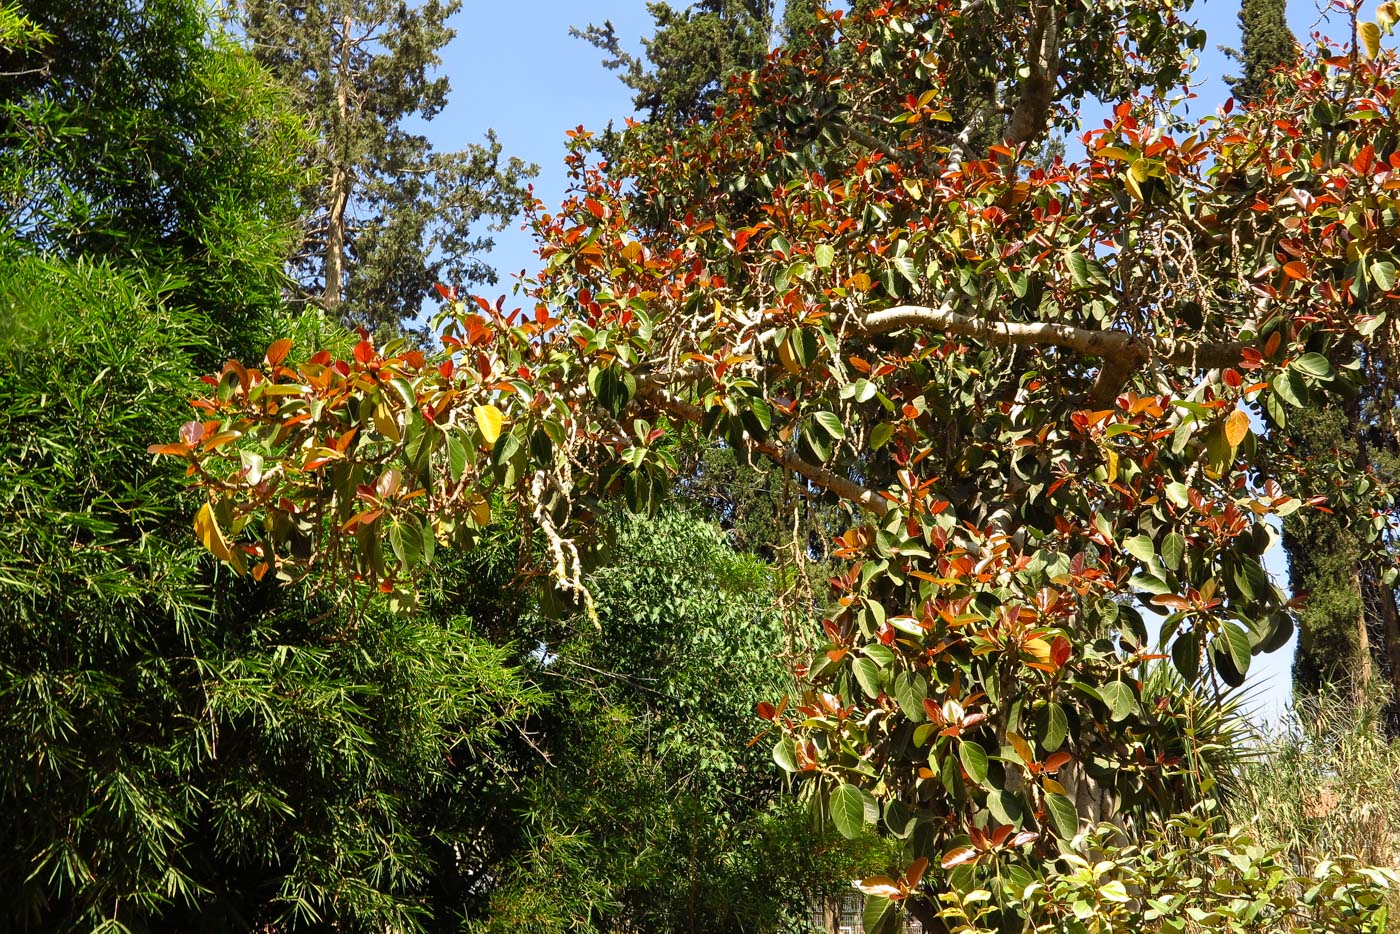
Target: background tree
point(1348, 635)
point(122, 138)
point(689, 57)
point(187, 751)
point(650, 810)
point(386, 217)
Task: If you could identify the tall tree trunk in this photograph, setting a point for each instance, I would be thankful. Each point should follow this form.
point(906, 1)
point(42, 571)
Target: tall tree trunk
point(341, 179)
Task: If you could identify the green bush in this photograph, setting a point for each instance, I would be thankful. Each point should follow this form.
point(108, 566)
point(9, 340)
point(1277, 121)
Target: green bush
point(1183, 877)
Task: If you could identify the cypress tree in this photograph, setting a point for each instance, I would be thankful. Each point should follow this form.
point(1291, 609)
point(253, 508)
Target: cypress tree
point(689, 57)
point(1348, 634)
point(1266, 43)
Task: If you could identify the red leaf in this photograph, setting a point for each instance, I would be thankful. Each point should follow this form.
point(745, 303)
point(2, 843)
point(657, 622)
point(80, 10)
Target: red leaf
point(766, 711)
point(364, 352)
point(277, 352)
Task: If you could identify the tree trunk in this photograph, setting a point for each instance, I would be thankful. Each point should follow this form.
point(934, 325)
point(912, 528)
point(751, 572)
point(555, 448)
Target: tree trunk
point(341, 179)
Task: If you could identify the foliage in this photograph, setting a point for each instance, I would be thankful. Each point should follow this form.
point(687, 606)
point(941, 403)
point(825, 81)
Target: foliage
point(1326, 785)
point(17, 31)
point(385, 217)
point(1266, 45)
point(1037, 387)
point(1183, 878)
point(692, 54)
point(188, 751)
point(135, 134)
point(651, 812)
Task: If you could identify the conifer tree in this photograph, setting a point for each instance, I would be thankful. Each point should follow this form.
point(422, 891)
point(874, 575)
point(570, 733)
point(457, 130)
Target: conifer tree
point(1347, 626)
point(681, 74)
point(1266, 43)
point(387, 217)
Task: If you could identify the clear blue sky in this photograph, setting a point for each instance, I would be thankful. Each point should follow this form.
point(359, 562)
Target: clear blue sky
point(514, 67)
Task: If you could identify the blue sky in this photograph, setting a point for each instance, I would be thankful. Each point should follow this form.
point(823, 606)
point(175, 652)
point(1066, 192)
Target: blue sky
point(514, 68)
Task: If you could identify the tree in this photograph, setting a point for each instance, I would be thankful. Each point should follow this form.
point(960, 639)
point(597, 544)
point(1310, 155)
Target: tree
point(185, 750)
point(1266, 45)
point(1348, 629)
point(386, 217)
point(692, 54)
point(124, 137)
point(1062, 363)
point(648, 810)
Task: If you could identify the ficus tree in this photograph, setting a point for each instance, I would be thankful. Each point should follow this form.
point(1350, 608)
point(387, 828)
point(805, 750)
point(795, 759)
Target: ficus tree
point(1049, 393)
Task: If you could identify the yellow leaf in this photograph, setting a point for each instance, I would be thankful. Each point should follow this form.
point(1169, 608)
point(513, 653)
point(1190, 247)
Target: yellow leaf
point(1387, 14)
point(206, 529)
point(1113, 152)
point(1370, 39)
point(490, 420)
point(1236, 427)
point(481, 511)
point(1133, 186)
point(385, 422)
point(1111, 465)
point(1140, 170)
point(1038, 649)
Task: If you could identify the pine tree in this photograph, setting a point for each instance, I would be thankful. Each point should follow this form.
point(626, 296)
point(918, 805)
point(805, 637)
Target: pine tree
point(387, 217)
point(689, 56)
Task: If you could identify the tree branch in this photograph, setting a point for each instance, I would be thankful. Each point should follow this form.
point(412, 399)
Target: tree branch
point(1032, 110)
point(649, 391)
point(1122, 352)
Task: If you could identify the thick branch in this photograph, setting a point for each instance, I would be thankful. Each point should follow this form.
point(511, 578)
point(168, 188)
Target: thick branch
point(1032, 111)
point(1123, 353)
point(650, 392)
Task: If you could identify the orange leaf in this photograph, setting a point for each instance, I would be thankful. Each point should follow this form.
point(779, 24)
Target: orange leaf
point(1236, 427)
point(1296, 269)
point(277, 352)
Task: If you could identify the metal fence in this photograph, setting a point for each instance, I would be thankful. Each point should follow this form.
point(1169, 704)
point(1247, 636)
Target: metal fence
point(842, 916)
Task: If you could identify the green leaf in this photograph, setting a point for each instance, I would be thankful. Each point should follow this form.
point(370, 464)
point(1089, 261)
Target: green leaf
point(1313, 364)
point(830, 424)
point(1005, 806)
point(1173, 551)
point(848, 810)
point(1078, 268)
point(1120, 699)
point(910, 689)
point(1236, 645)
point(880, 435)
point(878, 916)
point(406, 538)
point(974, 761)
point(824, 255)
point(785, 755)
point(906, 269)
point(1178, 493)
point(868, 675)
point(1383, 275)
point(1186, 656)
point(1063, 817)
point(1052, 726)
point(1142, 548)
